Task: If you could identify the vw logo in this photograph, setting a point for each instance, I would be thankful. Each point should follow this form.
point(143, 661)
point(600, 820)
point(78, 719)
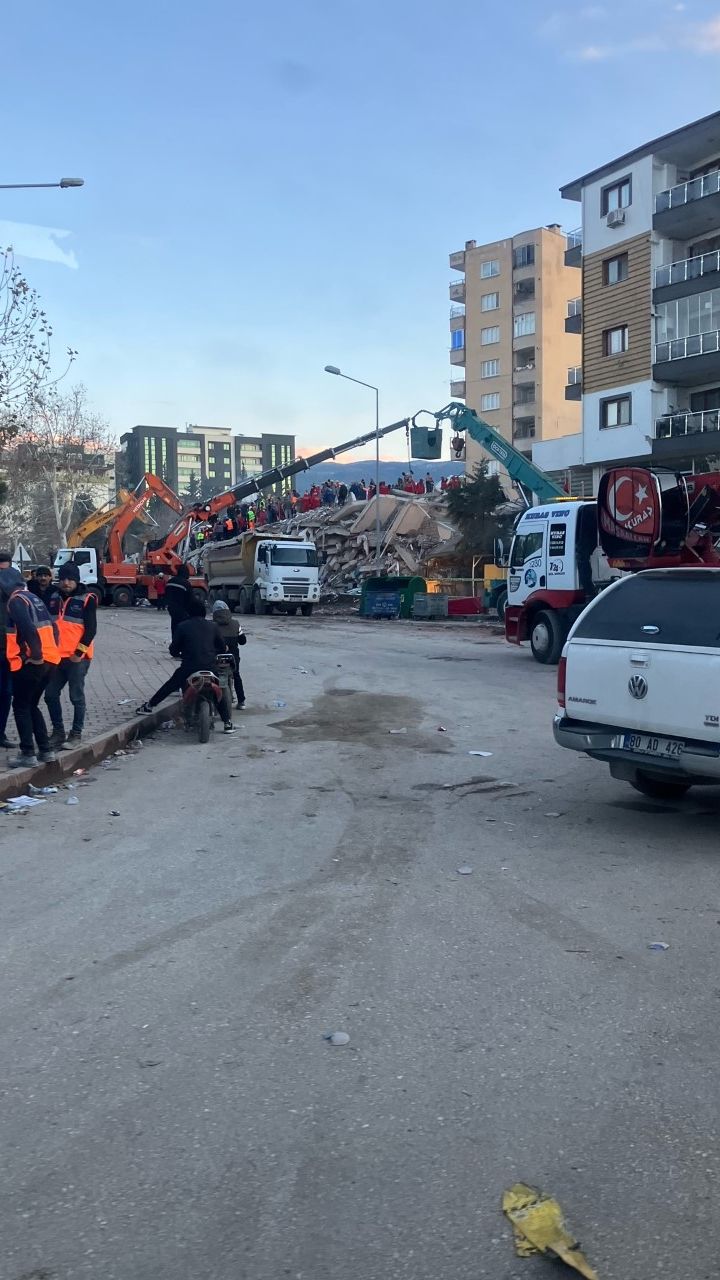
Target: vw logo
point(638, 686)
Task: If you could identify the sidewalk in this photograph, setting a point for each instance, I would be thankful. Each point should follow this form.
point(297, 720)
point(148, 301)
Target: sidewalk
point(131, 661)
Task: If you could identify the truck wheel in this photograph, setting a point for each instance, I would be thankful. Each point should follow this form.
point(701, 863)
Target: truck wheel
point(306, 610)
point(291, 610)
point(123, 597)
point(658, 789)
point(259, 607)
point(501, 603)
point(547, 636)
point(203, 721)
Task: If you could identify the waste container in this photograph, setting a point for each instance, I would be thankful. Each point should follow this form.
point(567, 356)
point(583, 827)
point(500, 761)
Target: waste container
point(408, 588)
point(430, 605)
point(381, 604)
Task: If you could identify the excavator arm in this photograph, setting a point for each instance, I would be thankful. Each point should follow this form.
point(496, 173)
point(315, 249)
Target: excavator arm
point(149, 487)
point(519, 467)
point(98, 519)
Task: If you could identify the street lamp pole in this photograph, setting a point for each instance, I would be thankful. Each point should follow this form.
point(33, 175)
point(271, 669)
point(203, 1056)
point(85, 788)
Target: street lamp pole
point(331, 368)
point(31, 186)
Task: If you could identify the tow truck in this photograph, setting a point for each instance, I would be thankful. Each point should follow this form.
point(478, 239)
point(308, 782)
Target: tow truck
point(563, 553)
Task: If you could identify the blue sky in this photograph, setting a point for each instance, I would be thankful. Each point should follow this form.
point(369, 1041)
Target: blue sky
point(274, 187)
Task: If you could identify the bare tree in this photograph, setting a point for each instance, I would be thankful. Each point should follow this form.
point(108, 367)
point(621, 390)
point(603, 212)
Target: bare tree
point(25, 334)
point(60, 461)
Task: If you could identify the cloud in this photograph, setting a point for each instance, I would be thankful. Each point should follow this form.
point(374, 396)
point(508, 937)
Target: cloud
point(704, 38)
point(30, 241)
point(601, 52)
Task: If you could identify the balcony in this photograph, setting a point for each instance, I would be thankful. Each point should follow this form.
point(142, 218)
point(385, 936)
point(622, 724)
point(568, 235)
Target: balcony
point(457, 260)
point(573, 319)
point(677, 425)
point(524, 290)
point(690, 209)
point(457, 389)
point(573, 386)
point(457, 355)
point(456, 310)
point(523, 399)
point(524, 360)
point(573, 248)
point(457, 290)
point(688, 361)
point(523, 432)
point(690, 275)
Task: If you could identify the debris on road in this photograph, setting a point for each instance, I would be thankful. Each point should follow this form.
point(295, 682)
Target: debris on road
point(124, 701)
point(278, 702)
point(397, 730)
point(42, 791)
point(553, 814)
point(23, 802)
point(441, 728)
point(658, 946)
point(337, 1037)
point(72, 800)
point(114, 813)
point(465, 871)
point(484, 754)
point(539, 1227)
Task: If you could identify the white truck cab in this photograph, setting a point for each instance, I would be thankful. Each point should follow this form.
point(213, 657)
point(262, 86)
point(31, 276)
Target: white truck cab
point(86, 560)
point(556, 566)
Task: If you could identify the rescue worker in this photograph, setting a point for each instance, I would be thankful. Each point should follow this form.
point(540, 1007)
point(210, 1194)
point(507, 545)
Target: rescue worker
point(5, 677)
point(41, 583)
point(73, 609)
point(197, 642)
point(177, 597)
point(32, 652)
point(233, 635)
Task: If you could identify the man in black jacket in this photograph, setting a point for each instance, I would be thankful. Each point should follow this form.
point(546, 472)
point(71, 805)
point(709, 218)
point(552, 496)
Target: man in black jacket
point(178, 595)
point(41, 583)
point(5, 677)
point(197, 643)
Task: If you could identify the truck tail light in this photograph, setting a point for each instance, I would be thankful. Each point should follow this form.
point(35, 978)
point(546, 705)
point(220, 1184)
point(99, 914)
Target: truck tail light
point(562, 674)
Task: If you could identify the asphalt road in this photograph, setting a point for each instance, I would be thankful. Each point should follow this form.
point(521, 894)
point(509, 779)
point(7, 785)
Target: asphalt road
point(169, 1106)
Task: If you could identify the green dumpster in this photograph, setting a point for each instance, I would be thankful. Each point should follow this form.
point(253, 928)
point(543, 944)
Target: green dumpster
point(407, 587)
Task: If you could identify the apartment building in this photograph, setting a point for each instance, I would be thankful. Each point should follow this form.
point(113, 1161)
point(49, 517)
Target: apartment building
point(209, 459)
point(515, 337)
point(650, 309)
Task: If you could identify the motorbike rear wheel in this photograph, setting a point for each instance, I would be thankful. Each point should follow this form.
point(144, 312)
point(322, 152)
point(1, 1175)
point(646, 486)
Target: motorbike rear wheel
point(203, 720)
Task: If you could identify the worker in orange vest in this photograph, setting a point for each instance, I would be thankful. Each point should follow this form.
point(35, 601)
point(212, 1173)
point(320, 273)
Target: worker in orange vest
point(32, 653)
point(73, 608)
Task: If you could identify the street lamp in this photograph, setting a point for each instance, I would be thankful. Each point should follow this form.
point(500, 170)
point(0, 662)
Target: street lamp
point(28, 186)
point(332, 368)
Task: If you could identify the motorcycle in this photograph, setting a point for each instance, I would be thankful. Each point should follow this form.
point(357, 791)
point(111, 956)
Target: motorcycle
point(207, 696)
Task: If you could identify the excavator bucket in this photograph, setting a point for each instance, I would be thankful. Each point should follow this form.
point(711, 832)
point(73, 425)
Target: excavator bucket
point(426, 442)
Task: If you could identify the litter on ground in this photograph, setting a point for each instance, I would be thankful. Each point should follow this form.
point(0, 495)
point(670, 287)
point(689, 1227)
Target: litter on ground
point(539, 1227)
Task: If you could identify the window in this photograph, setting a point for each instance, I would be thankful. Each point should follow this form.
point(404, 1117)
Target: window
point(489, 268)
point(491, 401)
point(574, 376)
point(615, 269)
point(524, 393)
point(525, 547)
point(306, 557)
point(489, 335)
point(524, 324)
point(685, 609)
point(617, 196)
point(490, 369)
point(490, 302)
point(457, 340)
point(615, 341)
point(574, 307)
point(687, 317)
point(616, 412)
point(524, 256)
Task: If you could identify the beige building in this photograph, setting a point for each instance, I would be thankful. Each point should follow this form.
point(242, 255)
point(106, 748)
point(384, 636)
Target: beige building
point(515, 326)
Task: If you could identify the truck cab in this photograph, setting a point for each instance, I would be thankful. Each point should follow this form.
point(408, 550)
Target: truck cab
point(86, 560)
point(556, 566)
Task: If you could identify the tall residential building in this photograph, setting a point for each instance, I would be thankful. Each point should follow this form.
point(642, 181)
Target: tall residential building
point(211, 458)
point(514, 337)
point(650, 308)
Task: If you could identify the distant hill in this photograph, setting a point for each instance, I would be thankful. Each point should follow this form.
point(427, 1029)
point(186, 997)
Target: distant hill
point(347, 472)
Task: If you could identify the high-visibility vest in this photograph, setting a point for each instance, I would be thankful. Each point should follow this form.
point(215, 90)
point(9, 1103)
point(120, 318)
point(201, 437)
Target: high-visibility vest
point(40, 618)
point(69, 615)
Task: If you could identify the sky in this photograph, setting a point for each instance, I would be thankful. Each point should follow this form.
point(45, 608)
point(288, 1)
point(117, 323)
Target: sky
point(274, 187)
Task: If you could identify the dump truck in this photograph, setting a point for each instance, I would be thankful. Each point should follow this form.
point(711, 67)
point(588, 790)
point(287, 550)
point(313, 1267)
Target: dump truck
point(259, 572)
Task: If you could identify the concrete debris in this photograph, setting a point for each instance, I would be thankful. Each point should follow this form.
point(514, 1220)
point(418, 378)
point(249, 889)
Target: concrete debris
point(411, 529)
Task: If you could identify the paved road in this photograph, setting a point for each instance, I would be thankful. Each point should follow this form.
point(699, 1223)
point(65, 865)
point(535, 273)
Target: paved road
point(170, 1108)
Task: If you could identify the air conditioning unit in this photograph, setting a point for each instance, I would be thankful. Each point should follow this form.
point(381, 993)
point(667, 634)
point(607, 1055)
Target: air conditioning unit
point(616, 217)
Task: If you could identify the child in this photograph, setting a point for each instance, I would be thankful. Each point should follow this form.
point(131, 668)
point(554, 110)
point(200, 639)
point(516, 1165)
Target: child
point(233, 635)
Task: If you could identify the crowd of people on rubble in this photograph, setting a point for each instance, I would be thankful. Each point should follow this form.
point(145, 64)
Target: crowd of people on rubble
point(246, 516)
point(47, 641)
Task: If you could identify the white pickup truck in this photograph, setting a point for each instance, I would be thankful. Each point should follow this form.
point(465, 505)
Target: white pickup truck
point(639, 681)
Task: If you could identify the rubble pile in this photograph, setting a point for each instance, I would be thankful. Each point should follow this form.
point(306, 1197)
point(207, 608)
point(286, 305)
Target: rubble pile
point(411, 529)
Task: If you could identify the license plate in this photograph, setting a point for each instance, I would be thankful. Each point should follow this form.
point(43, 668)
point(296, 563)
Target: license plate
point(645, 744)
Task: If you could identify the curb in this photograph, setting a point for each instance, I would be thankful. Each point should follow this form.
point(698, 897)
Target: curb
point(14, 782)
